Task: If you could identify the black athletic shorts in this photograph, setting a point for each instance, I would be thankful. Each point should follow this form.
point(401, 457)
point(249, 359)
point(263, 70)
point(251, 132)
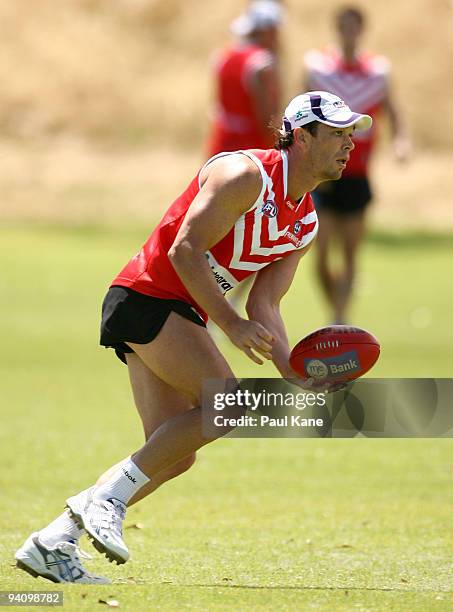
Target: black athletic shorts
point(129, 316)
point(347, 196)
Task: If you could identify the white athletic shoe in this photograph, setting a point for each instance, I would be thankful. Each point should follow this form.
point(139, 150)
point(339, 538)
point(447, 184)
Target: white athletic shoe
point(102, 520)
point(59, 563)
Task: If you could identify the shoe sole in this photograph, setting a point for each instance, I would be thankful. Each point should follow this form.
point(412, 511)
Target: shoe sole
point(99, 546)
point(26, 568)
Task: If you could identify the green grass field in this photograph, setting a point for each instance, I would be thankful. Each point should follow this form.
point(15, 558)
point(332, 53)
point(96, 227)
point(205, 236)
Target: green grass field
point(257, 524)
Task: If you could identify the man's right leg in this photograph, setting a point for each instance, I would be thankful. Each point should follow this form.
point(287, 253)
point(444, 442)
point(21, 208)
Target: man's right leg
point(183, 355)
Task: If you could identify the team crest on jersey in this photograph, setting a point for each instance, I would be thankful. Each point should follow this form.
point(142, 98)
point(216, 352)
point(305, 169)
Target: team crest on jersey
point(269, 209)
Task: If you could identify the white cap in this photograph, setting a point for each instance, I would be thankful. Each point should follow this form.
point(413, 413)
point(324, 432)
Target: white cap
point(260, 15)
point(324, 107)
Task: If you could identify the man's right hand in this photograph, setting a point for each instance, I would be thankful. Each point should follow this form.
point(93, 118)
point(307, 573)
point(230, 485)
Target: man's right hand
point(251, 337)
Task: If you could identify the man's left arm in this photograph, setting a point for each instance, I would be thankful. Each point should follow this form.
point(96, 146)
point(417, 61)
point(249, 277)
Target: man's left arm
point(264, 89)
point(263, 305)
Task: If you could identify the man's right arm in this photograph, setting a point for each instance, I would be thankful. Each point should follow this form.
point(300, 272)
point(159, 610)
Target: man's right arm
point(230, 187)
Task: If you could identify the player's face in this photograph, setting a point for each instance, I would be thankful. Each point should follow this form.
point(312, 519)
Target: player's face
point(329, 151)
point(269, 38)
point(349, 30)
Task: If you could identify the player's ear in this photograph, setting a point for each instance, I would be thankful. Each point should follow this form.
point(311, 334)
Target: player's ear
point(300, 135)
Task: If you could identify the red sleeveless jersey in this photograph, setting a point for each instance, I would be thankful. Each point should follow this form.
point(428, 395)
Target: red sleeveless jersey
point(272, 228)
point(362, 85)
point(235, 124)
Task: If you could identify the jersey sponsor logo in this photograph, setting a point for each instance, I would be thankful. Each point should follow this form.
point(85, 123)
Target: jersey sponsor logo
point(224, 284)
point(297, 226)
point(223, 278)
point(269, 209)
point(294, 239)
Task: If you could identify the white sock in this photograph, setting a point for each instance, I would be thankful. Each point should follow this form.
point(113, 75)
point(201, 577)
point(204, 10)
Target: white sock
point(62, 529)
point(123, 484)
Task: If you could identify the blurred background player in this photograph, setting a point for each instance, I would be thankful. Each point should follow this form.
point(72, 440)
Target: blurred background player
point(247, 82)
point(362, 80)
point(247, 89)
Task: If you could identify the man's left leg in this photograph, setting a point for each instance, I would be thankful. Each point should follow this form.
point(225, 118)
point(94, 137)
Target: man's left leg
point(324, 246)
point(156, 402)
point(182, 355)
point(350, 232)
point(53, 552)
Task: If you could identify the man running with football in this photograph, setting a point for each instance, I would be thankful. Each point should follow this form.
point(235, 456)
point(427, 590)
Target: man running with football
point(245, 213)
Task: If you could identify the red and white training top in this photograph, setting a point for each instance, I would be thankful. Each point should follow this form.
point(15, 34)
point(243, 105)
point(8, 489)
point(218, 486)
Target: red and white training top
point(272, 228)
point(362, 85)
point(235, 122)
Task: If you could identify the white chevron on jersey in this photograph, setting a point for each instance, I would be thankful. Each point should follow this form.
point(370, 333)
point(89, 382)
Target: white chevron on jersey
point(273, 232)
point(241, 259)
point(360, 90)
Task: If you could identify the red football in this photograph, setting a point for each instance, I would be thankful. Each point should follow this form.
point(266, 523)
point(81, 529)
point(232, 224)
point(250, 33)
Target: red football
point(335, 353)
